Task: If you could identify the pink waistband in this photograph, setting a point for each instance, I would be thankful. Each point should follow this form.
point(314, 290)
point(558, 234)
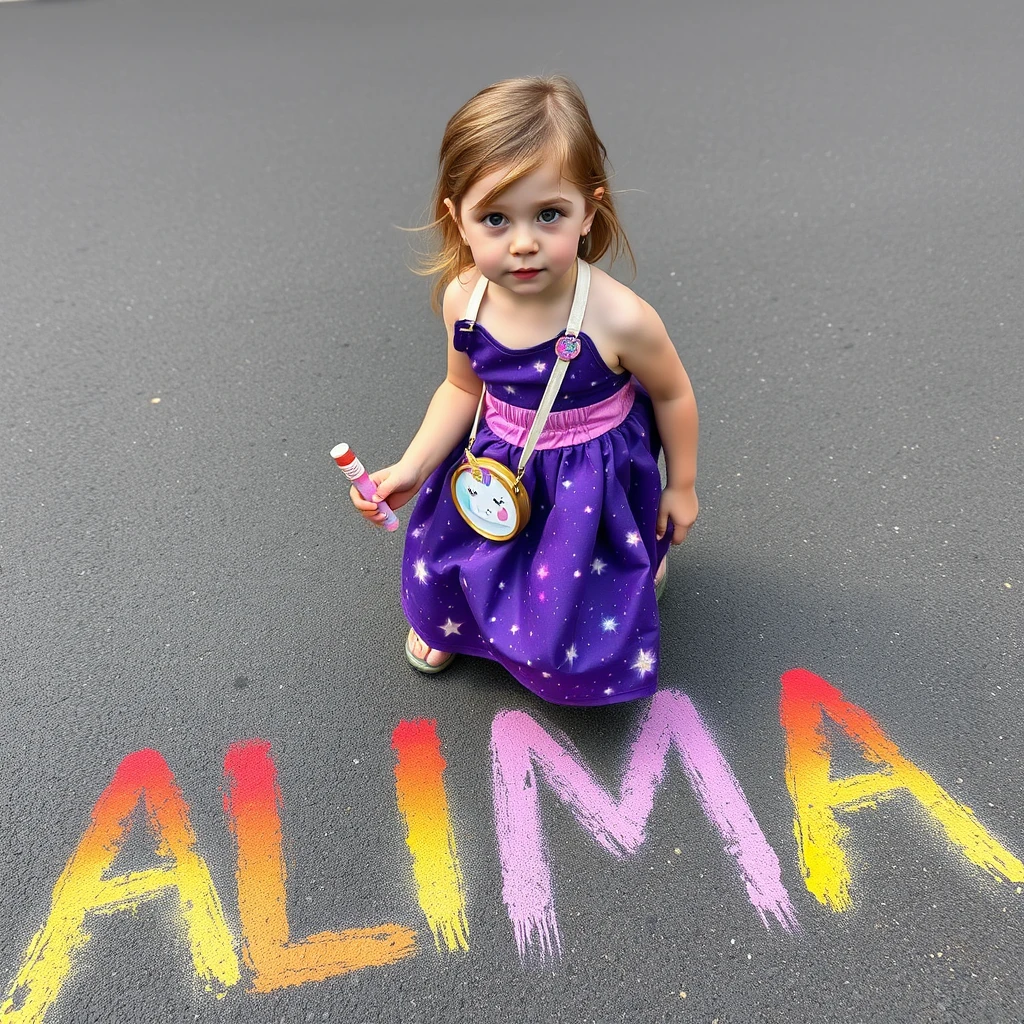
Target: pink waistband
point(571, 426)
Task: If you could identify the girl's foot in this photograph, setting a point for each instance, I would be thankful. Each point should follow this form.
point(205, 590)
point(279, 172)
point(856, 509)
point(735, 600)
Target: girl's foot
point(661, 578)
point(424, 658)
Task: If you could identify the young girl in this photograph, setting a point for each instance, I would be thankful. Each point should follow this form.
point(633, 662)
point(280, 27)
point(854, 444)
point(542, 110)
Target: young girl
point(567, 605)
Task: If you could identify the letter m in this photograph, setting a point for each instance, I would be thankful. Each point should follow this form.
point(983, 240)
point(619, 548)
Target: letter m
point(521, 750)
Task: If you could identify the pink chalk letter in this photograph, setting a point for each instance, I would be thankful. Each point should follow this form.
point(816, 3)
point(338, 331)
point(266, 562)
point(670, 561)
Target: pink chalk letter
point(520, 748)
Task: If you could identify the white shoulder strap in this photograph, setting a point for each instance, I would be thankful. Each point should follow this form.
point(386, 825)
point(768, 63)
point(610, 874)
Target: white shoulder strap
point(579, 307)
point(579, 299)
point(475, 299)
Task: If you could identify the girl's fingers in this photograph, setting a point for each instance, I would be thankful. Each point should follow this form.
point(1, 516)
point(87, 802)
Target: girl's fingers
point(384, 486)
point(360, 502)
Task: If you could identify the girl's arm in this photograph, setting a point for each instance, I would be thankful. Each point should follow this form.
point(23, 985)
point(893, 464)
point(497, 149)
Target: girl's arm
point(447, 420)
point(647, 351)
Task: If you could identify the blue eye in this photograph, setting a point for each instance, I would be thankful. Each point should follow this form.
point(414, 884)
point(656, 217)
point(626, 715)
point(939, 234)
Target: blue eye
point(493, 220)
point(549, 216)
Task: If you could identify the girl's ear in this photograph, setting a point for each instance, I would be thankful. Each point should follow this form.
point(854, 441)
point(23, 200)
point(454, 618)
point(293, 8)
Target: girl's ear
point(450, 207)
point(589, 220)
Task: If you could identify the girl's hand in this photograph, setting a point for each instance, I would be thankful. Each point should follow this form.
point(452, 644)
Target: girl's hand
point(681, 506)
point(395, 484)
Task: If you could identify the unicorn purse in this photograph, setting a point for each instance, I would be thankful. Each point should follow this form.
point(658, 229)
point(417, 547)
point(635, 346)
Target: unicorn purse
point(489, 496)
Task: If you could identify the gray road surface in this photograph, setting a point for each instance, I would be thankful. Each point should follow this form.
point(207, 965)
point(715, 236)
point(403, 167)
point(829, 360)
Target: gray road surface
point(203, 287)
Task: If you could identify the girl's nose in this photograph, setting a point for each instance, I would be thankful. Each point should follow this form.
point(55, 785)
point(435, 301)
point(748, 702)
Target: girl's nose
point(522, 242)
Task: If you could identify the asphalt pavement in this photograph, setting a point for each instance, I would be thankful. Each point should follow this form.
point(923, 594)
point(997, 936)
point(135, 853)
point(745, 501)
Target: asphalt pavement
point(226, 795)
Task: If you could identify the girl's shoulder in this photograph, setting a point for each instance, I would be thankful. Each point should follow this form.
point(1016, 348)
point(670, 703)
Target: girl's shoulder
point(615, 311)
point(457, 294)
point(616, 317)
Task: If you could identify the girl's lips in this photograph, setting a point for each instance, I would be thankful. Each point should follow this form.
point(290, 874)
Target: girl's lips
point(525, 274)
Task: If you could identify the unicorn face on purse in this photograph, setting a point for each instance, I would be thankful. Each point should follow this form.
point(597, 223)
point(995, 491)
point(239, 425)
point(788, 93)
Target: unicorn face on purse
point(485, 502)
point(487, 499)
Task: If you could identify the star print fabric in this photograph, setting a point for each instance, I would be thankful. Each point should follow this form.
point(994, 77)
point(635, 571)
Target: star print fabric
point(567, 606)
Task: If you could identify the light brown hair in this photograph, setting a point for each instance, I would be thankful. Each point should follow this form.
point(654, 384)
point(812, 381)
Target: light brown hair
point(517, 124)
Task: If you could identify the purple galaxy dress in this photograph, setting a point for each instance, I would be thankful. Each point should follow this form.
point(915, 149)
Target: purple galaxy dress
point(568, 605)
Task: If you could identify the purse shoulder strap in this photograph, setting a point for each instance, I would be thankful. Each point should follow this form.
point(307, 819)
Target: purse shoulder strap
point(579, 307)
point(579, 300)
point(576, 313)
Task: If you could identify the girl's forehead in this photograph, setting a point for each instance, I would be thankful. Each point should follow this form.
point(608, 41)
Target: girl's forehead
point(545, 181)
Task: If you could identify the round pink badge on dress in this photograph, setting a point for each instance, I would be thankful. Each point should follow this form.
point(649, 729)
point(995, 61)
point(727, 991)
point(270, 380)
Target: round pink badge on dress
point(567, 347)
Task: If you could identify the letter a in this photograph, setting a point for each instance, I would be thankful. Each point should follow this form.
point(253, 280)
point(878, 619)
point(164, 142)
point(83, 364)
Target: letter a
point(806, 698)
point(83, 888)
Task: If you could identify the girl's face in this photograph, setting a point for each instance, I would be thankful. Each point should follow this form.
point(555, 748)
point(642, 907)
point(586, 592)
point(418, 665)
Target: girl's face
point(525, 240)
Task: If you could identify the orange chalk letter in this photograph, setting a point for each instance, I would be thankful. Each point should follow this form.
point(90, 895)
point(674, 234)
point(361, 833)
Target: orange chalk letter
point(252, 803)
